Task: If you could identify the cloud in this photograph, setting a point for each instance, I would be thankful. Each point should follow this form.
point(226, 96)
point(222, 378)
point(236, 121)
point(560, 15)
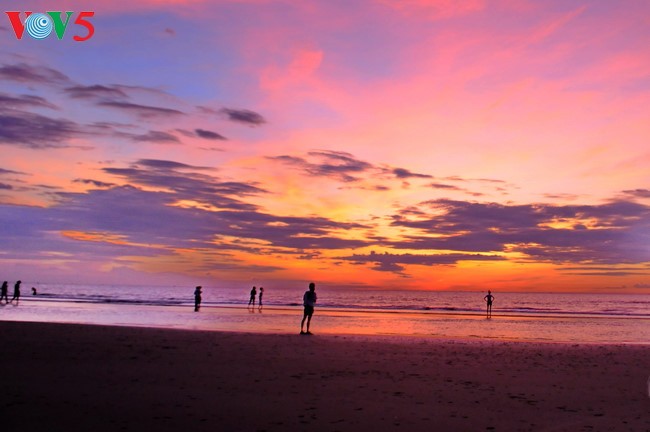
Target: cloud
point(24, 129)
point(403, 173)
point(142, 111)
point(338, 165)
point(244, 116)
point(24, 101)
point(615, 271)
point(95, 183)
point(157, 136)
point(391, 262)
point(188, 183)
point(29, 74)
point(209, 134)
point(188, 210)
point(615, 232)
point(345, 167)
point(167, 165)
point(638, 193)
point(562, 196)
point(610, 273)
point(4, 171)
point(95, 91)
point(445, 186)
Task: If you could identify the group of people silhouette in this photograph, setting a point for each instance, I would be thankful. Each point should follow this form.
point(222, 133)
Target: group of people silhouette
point(309, 299)
point(5, 295)
point(254, 295)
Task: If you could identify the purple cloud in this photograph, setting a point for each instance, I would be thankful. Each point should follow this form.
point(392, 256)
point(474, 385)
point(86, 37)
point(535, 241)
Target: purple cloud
point(95, 92)
point(24, 101)
point(157, 136)
point(619, 230)
point(337, 165)
point(23, 129)
point(206, 134)
point(142, 111)
point(29, 74)
point(247, 117)
point(638, 193)
point(403, 173)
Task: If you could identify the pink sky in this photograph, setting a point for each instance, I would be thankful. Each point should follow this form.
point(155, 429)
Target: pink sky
point(390, 144)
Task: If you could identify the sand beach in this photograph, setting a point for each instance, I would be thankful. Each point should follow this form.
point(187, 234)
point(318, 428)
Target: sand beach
point(69, 377)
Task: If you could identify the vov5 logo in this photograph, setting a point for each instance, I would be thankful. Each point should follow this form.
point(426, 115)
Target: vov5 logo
point(40, 25)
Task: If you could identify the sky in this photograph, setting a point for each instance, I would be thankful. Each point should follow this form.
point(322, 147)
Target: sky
point(435, 145)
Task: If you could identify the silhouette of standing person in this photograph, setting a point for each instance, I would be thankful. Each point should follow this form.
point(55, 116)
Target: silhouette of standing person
point(16, 292)
point(3, 292)
point(261, 294)
point(488, 299)
point(308, 300)
point(197, 298)
point(253, 295)
point(34, 291)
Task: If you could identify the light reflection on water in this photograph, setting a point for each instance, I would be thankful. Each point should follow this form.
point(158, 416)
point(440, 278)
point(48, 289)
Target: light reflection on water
point(272, 319)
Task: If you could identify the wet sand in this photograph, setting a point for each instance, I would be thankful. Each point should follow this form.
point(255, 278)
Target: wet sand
point(59, 377)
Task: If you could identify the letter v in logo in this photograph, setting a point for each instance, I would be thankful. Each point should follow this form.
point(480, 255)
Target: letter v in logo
point(16, 23)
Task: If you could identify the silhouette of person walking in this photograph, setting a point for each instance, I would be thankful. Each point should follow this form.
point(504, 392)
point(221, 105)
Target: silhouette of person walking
point(253, 295)
point(488, 299)
point(16, 292)
point(261, 294)
point(308, 300)
point(197, 298)
point(3, 292)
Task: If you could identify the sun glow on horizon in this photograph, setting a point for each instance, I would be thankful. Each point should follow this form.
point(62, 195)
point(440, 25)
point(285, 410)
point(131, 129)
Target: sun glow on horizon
point(455, 146)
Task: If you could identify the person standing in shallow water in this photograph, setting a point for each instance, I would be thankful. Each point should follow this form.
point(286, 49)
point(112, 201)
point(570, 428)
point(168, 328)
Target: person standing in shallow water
point(488, 299)
point(197, 298)
point(253, 295)
point(261, 294)
point(16, 292)
point(3, 292)
point(308, 300)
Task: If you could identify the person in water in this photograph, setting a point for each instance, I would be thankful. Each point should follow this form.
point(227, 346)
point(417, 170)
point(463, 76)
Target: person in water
point(308, 300)
point(253, 295)
point(16, 292)
point(489, 298)
point(260, 298)
point(3, 292)
point(197, 298)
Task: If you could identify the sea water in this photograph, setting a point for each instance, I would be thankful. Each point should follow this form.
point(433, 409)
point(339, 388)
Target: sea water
point(565, 317)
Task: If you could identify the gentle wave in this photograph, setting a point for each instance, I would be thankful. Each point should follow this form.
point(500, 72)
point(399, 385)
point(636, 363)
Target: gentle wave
point(406, 307)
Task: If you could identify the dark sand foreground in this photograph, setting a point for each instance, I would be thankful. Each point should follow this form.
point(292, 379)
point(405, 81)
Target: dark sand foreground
point(91, 378)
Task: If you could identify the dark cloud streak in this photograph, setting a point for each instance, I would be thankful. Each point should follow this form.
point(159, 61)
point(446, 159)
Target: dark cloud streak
point(142, 111)
point(95, 91)
point(247, 117)
point(35, 131)
point(157, 136)
point(25, 101)
point(206, 134)
point(29, 74)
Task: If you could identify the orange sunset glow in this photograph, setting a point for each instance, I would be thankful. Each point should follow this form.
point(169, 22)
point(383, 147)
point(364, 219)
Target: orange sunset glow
point(426, 145)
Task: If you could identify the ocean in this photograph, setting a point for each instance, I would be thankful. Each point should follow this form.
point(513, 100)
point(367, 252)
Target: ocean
point(545, 317)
